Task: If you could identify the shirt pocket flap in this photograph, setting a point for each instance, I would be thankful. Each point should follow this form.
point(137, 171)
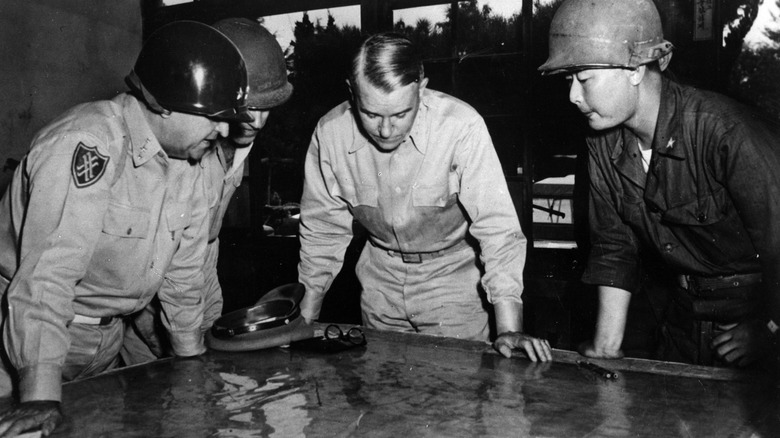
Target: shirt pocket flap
point(361, 195)
point(698, 212)
point(123, 221)
point(435, 196)
point(367, 195)
point(178, 217)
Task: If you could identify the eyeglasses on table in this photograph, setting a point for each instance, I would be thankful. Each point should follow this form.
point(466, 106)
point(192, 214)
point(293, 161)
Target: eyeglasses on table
point(354, 335)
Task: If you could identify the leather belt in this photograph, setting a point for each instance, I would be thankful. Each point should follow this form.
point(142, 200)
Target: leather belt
point(90, 320)
point(724, 299)
point(696, 283)
point(418, 257)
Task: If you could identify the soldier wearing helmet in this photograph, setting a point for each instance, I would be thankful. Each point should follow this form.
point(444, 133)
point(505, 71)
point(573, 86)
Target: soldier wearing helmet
point(268, 87)
point(107, 210)
point(684, 176)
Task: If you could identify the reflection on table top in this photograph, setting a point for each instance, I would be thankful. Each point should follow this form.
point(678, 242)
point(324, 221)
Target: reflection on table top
point(407, 385)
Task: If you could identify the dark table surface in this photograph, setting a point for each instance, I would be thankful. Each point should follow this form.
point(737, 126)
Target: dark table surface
point(408, 385)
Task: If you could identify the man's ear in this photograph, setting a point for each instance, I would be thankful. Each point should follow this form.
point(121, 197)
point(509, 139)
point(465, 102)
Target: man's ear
point(423, 84)
point(635, 76)
point(663, 61)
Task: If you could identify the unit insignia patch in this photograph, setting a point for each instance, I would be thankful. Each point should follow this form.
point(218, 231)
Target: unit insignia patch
point(88, 165)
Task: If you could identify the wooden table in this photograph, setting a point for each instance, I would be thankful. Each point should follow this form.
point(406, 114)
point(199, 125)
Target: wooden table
point(407, 385)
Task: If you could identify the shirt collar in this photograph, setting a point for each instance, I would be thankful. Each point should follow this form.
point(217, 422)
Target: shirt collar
point(420, 127)
point(143, 143)
point(667, 127)
point(238, 159)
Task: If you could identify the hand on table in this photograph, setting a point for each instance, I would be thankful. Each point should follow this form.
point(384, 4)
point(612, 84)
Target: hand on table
point(536, 349)
point(744, 343)
point(589, 349)
point(29, 415)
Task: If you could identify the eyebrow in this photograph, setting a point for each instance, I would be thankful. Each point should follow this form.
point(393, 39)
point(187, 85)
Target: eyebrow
point(365, 111)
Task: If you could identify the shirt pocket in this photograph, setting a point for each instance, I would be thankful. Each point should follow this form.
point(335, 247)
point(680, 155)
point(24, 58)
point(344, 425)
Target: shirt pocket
point(360, 195)
point(632, 209)
point(128, 222)
point(178, 217)
point(711, 230)
point(437, 195)
point(704, 212)
point(120, 257)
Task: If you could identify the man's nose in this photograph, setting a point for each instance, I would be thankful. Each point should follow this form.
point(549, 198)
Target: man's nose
point(385, 128)
point(222, 128)
point(258, 118)
point(575, 92)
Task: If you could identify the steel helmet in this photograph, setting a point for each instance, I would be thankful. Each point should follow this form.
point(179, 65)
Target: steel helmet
point(190, 67)
point(604, 34)
point(265, 64)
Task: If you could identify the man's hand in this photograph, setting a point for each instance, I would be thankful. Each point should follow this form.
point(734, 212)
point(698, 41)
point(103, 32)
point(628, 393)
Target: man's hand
point(744, 343)
point(590, 349)
point(45, 414)
point(538, 350)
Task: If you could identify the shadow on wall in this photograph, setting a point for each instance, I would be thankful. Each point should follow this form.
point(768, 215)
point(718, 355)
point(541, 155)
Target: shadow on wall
point(7, 173)
point(56, 54)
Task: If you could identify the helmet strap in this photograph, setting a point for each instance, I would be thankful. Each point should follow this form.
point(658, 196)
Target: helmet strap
point(134, 82)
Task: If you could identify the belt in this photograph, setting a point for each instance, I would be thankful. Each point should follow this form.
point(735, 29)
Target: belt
point(418, 257)
point(695, 283)
point(90, 320)
point(725, 298)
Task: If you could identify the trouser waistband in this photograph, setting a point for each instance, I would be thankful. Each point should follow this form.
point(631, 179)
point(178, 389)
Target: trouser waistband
point(721, 299)
point(696, 283)
point(419, 257)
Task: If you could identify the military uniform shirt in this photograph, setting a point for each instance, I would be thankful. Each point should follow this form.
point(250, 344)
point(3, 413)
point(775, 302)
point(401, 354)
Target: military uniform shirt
point(709, 204)
point(85, 231)
point(441, 184)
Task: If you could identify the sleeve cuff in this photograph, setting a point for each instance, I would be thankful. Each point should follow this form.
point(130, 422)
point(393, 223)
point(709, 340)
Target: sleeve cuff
point(311, 305)
point(187, 344)
point(40, 382)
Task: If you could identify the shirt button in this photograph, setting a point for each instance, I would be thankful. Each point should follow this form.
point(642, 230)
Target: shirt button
point(129, 230)
point(398, 190)
point(668, 247)
point(702, 217)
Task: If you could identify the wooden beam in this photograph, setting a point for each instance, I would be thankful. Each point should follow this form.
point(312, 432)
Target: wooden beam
point(210, 11)
point(375, 16)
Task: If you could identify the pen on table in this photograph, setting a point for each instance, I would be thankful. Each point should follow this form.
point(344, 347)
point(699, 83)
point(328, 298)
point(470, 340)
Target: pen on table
point(603, 372)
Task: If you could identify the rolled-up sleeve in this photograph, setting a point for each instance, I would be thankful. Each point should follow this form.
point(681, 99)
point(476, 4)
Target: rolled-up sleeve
point(614, 250)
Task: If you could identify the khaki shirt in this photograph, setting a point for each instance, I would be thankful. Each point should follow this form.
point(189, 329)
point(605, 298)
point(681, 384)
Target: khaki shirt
point(442, 184)
point(222, 180)
point(222, 177)
point(84, 230)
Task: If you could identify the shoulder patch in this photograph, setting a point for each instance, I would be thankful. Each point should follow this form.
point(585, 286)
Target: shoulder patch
point(88, 165)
